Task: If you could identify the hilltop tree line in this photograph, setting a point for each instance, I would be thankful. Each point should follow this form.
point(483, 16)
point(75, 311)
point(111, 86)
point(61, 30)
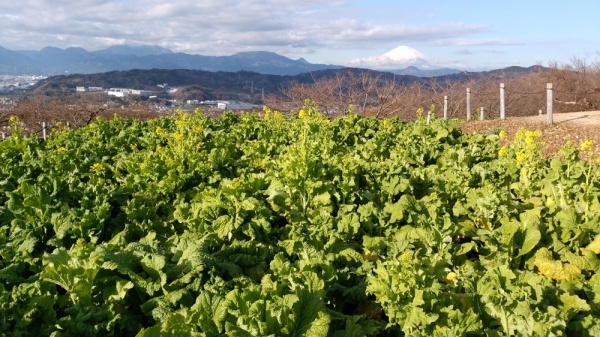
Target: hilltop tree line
point(576, 87)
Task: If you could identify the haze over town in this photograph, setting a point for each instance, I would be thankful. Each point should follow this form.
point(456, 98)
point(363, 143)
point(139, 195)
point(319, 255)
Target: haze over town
point(466, 34)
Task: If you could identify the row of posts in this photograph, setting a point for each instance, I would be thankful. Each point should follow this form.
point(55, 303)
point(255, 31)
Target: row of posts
point(503, 104)
point(44, 131)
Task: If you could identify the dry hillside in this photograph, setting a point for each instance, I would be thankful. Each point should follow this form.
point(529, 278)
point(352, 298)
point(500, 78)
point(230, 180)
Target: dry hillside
point(575, 127)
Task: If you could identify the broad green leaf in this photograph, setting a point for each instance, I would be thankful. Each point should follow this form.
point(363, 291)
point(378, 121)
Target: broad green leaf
point(209, 312)
point(594, 246)
point(532, 238)
point(174, 326)
point(310, 316)
point(119, 291)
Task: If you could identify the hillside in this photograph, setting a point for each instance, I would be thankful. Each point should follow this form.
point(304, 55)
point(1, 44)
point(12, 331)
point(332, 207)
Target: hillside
point(246, 82)
point(226, 83)
point(574, 127)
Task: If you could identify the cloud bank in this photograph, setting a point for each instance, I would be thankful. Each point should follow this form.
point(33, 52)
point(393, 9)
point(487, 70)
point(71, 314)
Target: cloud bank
point(208, 27)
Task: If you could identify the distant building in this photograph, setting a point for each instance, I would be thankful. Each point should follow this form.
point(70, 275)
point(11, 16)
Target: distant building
point(84, 89)
point(117, 93)
point(140, 92)
point(119, 90)
point(192, 102)
point(233, 105)
point(124, 92)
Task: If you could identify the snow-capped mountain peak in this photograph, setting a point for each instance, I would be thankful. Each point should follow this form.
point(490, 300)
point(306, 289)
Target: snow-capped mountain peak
point(405, 54)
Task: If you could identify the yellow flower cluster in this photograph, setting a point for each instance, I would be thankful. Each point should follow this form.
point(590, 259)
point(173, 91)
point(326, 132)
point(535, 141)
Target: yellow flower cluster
point(197, 129)
point(502, 152)
point(587, 146)
point(267, 112)
point(420, 112)
point(59, 127)
point(521, 157)
point(386, 124)
point(13, 119)
point(98, 167)
point(406, 257)
point(450, 278)
point(528, 145)
point(309, 109)
point(179, 123)
point(502, 134)
point(272, 114)
point(161, 132)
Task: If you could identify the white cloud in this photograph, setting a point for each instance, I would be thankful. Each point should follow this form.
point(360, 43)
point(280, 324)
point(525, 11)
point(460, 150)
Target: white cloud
point(463, 42)
point(207, 27)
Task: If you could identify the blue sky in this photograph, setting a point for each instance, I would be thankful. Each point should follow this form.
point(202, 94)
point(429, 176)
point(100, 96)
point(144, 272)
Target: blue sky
point(461, 34)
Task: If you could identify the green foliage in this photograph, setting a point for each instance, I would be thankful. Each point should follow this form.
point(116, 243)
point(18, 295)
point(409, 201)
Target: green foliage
point(261, 225)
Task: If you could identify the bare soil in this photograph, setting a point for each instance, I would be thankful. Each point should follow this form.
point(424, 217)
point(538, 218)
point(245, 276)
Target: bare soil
point(573, 126)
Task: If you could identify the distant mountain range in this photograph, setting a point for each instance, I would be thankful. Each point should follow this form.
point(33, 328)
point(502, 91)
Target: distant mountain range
point(414, 71)
point(56, 61)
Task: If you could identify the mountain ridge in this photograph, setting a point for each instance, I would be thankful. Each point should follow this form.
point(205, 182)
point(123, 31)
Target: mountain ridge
point(54, 61)
point(241, 85)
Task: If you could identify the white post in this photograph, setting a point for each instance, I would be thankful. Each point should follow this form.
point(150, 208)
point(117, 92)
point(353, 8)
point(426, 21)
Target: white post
point(549, 102)
point(445, 108)
point(540, 112)
point(502, 107)
point(68, 125)
point(44, 130)
point(468, 103)
point(3, 136)
point(481, 114)
point(428, 117)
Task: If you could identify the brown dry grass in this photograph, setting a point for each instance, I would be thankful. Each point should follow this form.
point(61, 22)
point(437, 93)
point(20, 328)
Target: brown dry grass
point(574, 127)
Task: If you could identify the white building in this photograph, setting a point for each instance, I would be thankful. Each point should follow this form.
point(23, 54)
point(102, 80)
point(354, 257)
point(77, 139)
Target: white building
point(117, 93)
point(140, 92)
point(233, 105)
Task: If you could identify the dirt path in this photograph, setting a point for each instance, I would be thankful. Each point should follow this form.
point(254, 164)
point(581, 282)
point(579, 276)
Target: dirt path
point(573, 126)
point(585, 118)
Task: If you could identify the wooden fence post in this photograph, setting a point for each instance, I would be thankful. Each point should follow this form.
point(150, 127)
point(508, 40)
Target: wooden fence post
point(502, 106)
point(445, 108)
point(481, 114)
point(549, 102)
point(468, 104)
